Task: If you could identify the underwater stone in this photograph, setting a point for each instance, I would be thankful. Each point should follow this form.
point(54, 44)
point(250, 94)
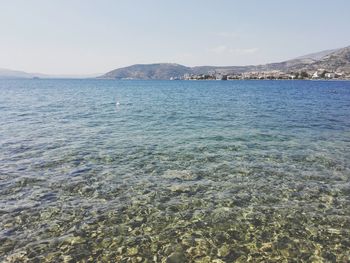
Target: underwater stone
point(184, 175)
point(187, 241)
point(132, 251)
point(223, 251)
point(178, 188)
point(121, 250)
point(176, 257)
point(206, 259)
point(199, 251)
point(67, 258)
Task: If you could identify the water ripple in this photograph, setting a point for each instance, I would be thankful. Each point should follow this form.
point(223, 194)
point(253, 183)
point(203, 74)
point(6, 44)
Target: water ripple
point(178, 172)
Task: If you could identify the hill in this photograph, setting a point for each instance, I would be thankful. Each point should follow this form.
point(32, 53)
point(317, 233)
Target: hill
point(338, 60)
point(148, 71)
point(330, 60)
point(10, 74)
point(15, 74)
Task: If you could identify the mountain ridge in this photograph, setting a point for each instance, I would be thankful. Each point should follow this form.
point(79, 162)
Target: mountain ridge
point(330, 60)
point(17, 74)
point(334, 60)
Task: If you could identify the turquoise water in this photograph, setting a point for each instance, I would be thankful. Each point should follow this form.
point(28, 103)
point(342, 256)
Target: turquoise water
point(175, 171)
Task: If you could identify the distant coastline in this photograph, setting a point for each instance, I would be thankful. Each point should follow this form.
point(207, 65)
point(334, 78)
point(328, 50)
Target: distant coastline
point(320, 74)
point(330, 64)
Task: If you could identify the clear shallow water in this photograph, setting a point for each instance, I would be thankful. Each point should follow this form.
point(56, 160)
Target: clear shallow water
point(177, 172)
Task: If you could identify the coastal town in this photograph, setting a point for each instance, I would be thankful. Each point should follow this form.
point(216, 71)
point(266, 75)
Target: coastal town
point(268, 75)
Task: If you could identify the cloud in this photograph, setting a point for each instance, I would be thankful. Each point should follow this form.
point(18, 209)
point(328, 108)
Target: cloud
point(223, 49)
point(220, 49)
point(244, 50)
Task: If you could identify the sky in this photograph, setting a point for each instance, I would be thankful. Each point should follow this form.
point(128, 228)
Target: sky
point(96, 36)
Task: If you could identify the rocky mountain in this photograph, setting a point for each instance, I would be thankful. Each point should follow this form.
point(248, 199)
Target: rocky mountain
point(330, 60)
point(338, 60)
point(318, 55)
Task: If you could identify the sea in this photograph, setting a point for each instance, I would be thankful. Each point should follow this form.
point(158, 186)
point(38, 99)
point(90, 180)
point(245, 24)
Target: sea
point(174, 171)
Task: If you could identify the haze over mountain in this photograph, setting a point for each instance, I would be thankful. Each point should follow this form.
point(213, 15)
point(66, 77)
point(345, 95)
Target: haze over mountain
point(75, 37)
point(331, 60)
point(9, 74)
point(16, 74)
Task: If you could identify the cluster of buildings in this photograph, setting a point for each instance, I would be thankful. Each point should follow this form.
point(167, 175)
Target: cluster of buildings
point(324, 74)
point(319, 74)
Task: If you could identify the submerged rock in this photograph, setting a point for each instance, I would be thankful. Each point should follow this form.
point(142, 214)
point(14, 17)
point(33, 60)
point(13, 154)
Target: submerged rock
point(183, 175)
point(206, 259)
point(223, 251)
point(176, 257)
point(132, 251)
point(180, 188)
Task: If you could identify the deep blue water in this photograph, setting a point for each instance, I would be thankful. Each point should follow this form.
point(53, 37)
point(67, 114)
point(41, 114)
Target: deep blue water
point(142, 171)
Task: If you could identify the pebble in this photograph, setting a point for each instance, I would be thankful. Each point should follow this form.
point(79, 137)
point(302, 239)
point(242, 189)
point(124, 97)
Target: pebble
point(223, 251)
point(176, 257)
point(132, 251)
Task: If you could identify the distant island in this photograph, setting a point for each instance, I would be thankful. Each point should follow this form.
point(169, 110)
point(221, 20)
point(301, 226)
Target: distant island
point(329, 64)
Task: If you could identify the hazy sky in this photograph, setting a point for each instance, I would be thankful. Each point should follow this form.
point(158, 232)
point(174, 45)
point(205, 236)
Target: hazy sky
point(95, 36)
